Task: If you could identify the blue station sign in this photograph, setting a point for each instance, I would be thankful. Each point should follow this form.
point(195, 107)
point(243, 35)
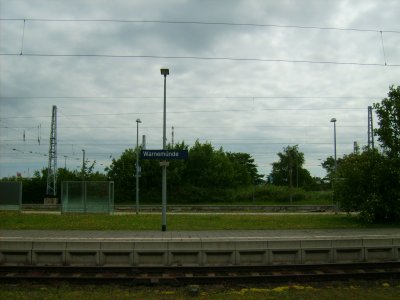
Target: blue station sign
point(164, 154)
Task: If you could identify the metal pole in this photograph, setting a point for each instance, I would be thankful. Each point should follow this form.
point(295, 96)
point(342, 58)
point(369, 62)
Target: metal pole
point(254, 188)
point(297, 170)
point(370, 129)
point(172, 143)
point(137, 165)
point(165, 114)
point(144, 142)
point(334, 140)
point(83, 165)
point(334, 133)
point(164, 72)
point(333, 120)
point(83, 182)
point(291, 185)
point(335, 173)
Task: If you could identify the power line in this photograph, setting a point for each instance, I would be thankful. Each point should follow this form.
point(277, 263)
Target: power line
point(68, 143)
point(61, 153)
point(200, 58)
point(186, 97)
point(193, 111)
point(185, 127)
point(197, 23)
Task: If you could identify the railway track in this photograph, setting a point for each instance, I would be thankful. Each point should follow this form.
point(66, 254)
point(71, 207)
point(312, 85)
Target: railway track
point(199, 208)
point(203, 275)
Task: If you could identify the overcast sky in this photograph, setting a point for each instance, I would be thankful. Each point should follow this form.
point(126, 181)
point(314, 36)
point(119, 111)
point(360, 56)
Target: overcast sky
point(234, 83)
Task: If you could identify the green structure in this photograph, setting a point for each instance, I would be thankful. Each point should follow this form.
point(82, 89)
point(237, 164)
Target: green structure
point(87, 196)
point(10, 195)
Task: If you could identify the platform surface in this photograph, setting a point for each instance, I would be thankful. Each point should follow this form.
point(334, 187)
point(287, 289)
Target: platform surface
point(198, 248)
point(218, 235)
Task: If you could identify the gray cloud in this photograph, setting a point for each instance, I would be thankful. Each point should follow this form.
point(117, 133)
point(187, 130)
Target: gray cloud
point(210, 100)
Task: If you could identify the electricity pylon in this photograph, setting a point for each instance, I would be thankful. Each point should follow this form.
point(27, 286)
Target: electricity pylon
point(370, 129)
point(52, 166)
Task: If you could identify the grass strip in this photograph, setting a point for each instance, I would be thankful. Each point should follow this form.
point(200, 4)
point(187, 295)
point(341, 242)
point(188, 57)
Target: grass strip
point(20, 221)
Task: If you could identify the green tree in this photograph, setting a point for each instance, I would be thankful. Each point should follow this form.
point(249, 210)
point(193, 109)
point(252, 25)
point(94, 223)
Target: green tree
point(369, 183)
point(388, 112)
point(176, 169)
point(329, 165)
point(245, 170)
point(206, 173)
point(34, 189)
point(122, 171)
point(289, 169)
point(208, 168)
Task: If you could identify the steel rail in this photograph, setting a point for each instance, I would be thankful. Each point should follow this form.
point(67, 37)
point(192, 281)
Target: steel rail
point(200, 208)
point(205, 275)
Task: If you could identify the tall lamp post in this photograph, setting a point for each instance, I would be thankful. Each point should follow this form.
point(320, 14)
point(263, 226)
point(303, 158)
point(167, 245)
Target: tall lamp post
point(137, 165)
point(83, 181)
point(164, 72)
point(333, 120)
point(83, 164)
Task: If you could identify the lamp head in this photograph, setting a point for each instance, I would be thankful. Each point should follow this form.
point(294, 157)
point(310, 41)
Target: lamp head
point(138, 121)
point(333, 120)
point(165, 72)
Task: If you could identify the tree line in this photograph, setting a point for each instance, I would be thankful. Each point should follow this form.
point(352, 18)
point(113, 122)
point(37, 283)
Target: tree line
point(207, 174)
point(367, 181)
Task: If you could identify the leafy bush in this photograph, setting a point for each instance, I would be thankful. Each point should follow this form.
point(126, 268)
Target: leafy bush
point(370, 183)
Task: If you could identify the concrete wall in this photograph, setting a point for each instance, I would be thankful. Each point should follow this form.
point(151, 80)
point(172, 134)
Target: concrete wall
point(199, 252)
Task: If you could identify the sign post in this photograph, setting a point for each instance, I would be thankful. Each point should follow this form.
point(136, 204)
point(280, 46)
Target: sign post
point(164, 72)
point(163, 156)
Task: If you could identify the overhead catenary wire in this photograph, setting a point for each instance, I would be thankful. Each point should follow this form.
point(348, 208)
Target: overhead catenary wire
point(205, 140)
point(204, 58)
point(198, 57)
point(190, 111)
point(146, 98)
point(188, 127)
point(183, 22)
point(61, 153)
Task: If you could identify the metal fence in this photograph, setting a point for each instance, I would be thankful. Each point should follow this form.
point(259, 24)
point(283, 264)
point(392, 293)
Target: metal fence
point(10, 195)
point(87, 196)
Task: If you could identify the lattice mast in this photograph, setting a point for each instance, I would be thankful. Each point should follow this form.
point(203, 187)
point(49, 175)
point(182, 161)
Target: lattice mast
point(370, 129)
point(52, 165)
